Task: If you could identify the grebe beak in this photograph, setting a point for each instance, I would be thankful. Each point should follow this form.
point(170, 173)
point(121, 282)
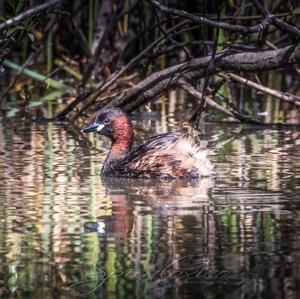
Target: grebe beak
point(94, 127)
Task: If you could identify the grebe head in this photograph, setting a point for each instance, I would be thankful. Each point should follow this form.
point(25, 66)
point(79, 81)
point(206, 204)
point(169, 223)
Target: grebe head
point(115, 124)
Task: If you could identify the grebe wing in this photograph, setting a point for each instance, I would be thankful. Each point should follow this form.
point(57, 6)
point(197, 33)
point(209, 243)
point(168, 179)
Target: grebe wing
point(163, 141)
point(168, 155)
point(157, 144)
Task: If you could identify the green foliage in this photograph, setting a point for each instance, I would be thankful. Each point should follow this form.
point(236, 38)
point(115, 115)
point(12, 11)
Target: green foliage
point(16, 5)
point(12, 112)
point(53, 95)
point(37, 76)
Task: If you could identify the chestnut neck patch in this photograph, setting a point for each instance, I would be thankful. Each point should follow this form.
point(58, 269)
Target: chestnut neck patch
point(122, 135)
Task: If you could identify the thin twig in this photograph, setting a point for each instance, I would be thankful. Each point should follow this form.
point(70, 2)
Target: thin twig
point(286, 97)
point(202, 20)
point(28, 13)
point(104, 24)
point(242, 117)
point(102, 86)
point(31, 57)
point(277, 22)
point(198, 95)
point(173, 41)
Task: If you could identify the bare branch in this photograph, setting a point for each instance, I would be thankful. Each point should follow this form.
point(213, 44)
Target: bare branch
point(102, 86)
point(198, 95)
point(286, 97)
point(202, 20)
point(103, 27)
point(29, 13)
point(32, 56)
point(161, 81)
point(277, 22)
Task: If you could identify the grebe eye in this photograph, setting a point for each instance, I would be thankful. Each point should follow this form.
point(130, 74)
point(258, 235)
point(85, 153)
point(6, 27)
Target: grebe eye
point(107, 121)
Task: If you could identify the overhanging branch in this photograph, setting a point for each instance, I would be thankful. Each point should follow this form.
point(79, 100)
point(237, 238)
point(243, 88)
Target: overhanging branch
point(162, 81)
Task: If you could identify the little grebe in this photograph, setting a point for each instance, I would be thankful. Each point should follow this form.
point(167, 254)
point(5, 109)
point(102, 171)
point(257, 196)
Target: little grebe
point(171, 155)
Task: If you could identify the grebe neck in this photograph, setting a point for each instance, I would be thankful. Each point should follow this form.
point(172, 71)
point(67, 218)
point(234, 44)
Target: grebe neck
point(122, 137)
point(121, 147)
point(122, 142)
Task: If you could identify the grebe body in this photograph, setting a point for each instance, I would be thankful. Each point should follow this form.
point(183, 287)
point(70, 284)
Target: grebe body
point(169, 156)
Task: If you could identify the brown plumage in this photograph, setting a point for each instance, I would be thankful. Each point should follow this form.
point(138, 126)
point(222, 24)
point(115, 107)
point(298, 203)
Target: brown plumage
point(171, 155)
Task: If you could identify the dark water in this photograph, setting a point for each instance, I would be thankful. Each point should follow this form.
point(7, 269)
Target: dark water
point(65, 233)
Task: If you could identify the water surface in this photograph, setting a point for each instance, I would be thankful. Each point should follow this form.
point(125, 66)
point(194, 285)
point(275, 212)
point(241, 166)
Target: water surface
point(65, 233)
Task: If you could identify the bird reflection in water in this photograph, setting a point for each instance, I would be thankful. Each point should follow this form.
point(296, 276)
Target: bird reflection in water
point(178, 197)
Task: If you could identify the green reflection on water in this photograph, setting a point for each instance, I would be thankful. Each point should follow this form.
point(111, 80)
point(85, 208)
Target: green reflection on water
point(245, 221)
